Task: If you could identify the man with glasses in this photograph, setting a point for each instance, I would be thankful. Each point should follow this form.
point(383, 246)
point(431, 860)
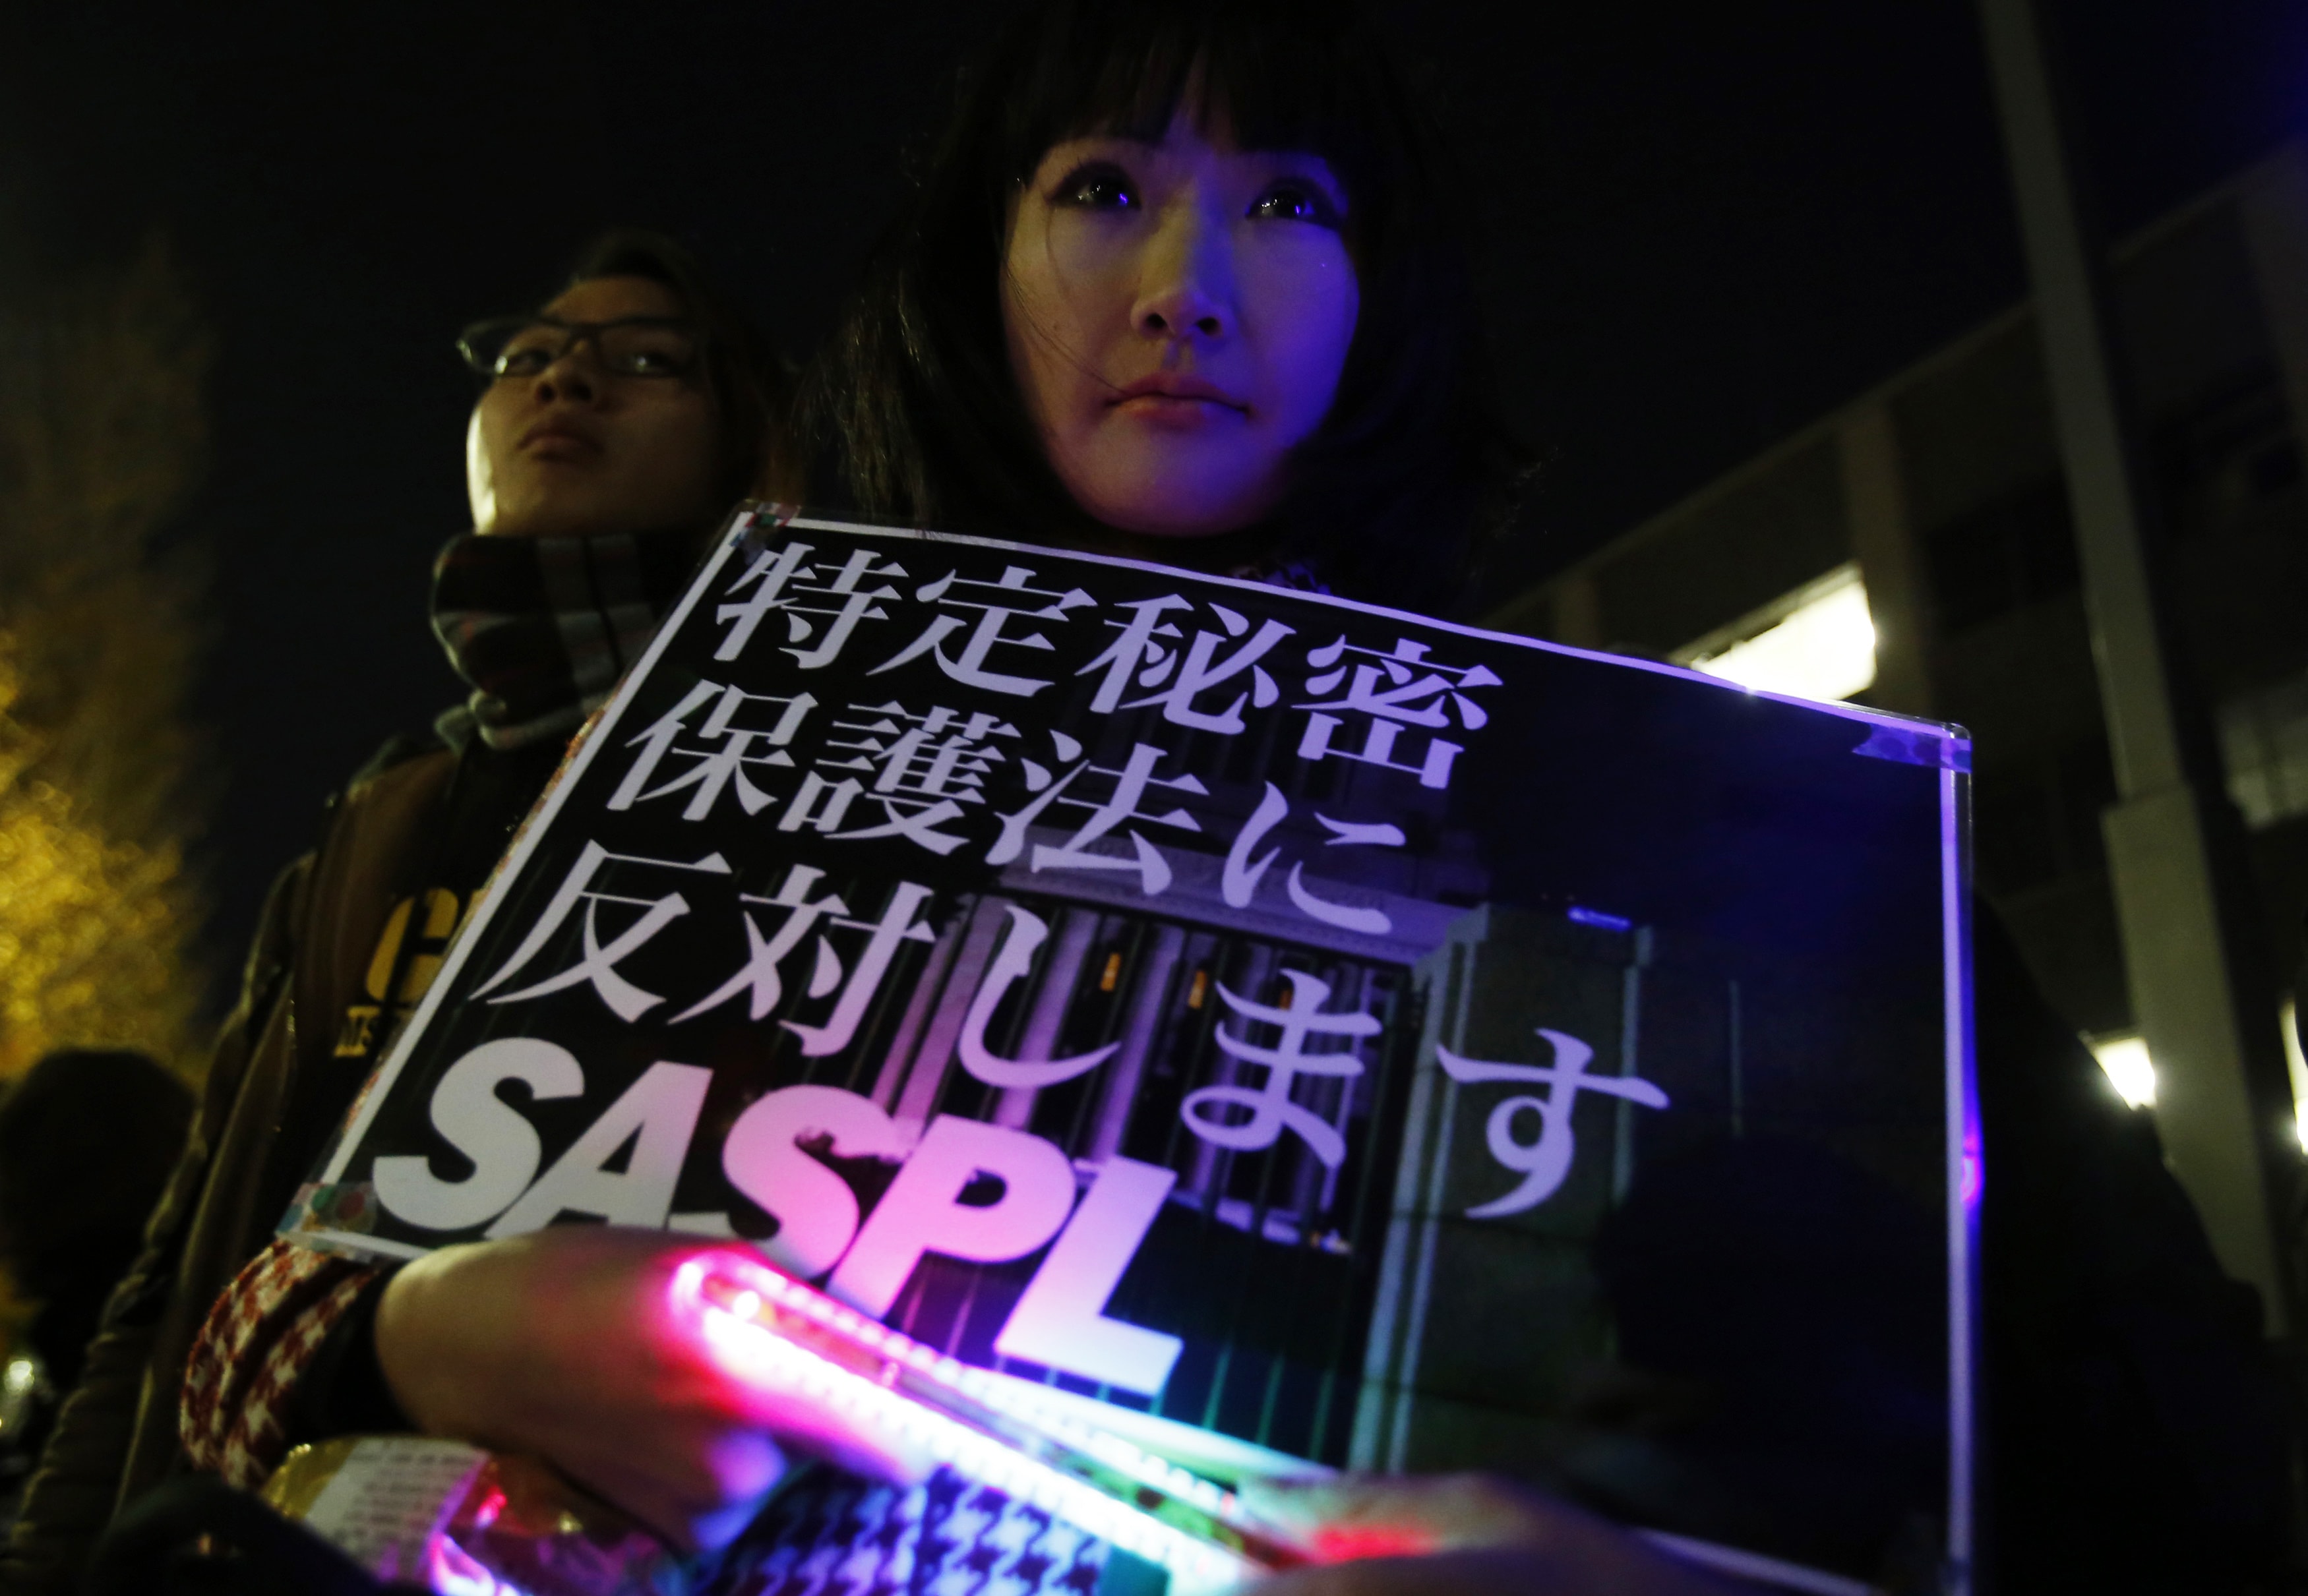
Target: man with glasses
point(597, 415)
point(614, 430)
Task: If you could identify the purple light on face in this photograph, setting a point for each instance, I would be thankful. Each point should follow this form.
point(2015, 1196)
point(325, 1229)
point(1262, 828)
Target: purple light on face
point(1597, 917)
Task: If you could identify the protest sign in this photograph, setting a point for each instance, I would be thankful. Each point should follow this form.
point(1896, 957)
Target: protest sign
point(1389, 1043)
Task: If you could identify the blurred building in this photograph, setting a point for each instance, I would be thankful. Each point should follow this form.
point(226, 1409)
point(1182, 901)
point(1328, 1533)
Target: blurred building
point(1913, 550)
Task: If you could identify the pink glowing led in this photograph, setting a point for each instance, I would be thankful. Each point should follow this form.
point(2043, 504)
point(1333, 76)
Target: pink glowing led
point(894, 1397)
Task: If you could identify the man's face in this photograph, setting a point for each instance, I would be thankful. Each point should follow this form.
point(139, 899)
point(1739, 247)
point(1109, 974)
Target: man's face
point(577, 450)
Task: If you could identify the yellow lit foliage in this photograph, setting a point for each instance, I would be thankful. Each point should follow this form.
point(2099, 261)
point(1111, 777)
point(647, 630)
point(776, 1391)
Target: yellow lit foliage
point(101, 778)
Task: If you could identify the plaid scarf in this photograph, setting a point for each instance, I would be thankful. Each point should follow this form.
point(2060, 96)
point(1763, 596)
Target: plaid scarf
point(543, 627)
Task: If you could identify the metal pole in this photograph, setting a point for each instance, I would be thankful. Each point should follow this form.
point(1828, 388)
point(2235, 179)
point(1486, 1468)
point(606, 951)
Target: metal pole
point(2184, 897)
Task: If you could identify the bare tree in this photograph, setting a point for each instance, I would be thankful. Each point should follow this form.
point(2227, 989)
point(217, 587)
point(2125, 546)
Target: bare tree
point(104, 783)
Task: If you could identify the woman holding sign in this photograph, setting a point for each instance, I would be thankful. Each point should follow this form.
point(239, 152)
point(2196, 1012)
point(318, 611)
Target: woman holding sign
point(1181, 284)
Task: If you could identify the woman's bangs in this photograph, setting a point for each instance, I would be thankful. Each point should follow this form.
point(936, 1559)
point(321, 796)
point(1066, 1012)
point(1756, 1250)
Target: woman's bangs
point(1268, 76)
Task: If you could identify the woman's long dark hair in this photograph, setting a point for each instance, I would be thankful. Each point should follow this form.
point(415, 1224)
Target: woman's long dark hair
point(911, 412)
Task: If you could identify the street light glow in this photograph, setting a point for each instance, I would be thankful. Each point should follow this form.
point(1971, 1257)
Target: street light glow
point(2128, 1067)
point(2296, 1066)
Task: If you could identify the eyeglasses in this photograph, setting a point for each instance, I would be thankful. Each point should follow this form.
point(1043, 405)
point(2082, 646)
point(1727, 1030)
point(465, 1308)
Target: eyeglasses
point(629, 346)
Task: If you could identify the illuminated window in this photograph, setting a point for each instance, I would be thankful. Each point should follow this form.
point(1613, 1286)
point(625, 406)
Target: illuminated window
point(1816, 642)
point(2125, 1055)
point(2264, 743)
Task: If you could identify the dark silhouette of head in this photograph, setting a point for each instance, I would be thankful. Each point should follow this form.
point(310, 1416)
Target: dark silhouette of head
point(87, 1139)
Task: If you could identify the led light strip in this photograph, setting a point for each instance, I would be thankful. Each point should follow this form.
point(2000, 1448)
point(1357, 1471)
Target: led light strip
point(985, 1429)
point(923, 1364)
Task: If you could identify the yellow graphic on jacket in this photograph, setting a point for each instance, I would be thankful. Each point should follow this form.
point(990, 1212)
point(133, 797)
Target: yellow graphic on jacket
point(359, 1032)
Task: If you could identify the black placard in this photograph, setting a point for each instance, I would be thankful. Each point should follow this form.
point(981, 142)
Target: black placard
point(1381, 1041)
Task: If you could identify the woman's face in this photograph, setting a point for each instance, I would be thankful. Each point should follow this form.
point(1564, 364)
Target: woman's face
point(1177, 314)
point(578, 450)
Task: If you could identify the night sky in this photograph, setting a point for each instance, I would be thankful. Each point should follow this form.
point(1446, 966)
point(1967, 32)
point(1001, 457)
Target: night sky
point(1705, 225)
